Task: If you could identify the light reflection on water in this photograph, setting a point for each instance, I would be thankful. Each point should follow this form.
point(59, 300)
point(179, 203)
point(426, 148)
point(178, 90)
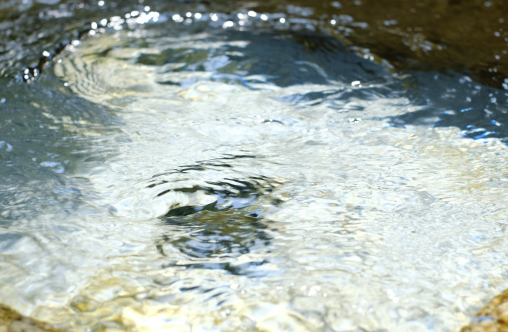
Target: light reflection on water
point(215, 179)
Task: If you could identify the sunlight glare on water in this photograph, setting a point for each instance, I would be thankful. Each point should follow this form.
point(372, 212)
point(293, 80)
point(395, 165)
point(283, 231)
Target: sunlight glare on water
point(258, 181)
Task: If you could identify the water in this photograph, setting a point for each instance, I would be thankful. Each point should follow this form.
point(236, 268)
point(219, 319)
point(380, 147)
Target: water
point(192, 173)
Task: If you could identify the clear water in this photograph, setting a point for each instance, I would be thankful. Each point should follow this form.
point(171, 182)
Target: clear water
point(199, 175)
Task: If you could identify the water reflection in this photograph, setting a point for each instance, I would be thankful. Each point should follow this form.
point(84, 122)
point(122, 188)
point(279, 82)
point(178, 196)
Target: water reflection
point(241, 58)
point(218, 236)
point(222, 228)
point(43, 134)
point(452, 100)
point(260, 179)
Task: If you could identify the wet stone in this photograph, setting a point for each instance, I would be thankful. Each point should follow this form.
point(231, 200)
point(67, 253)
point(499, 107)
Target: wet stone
point(492, 318)
point(11, 321)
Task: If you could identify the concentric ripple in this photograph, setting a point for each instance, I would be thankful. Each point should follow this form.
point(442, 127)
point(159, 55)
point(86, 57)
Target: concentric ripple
point(262, 181)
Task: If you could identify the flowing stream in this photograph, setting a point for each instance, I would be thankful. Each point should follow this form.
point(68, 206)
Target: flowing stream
point(205, 171)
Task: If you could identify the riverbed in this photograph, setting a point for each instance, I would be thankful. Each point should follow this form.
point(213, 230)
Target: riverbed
point(201, 168)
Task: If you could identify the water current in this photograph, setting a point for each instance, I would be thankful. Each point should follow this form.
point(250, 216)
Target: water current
point(204, 171)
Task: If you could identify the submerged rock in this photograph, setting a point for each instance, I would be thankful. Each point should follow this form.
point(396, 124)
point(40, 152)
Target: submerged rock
point(493, 317)
point(11, 321)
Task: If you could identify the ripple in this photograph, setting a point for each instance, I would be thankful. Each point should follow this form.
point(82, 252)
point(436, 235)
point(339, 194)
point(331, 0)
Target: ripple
point(213, 184)
point(260, 180)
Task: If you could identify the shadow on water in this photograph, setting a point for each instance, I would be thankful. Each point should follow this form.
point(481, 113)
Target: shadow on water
point(438, 34)
point(42, 140)
point(310, 58)
point(453, 100)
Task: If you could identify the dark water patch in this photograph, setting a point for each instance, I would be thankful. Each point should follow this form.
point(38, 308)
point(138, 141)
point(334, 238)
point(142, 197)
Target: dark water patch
point(430, 34)
point(465, 36)
point(454, 100)
point(214, 235)
point(231, 186)
point(310, 58)
point(40, 143)
point(217, 184)
point(230, 226)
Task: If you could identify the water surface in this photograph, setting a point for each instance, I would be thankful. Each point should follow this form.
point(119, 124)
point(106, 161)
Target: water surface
point(245, 171)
